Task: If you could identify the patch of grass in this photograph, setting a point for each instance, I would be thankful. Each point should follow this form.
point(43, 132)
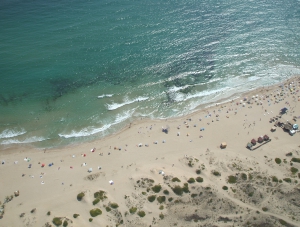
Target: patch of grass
point(244, 176)
point(225, 188)
point(132, 210)
point(161, 199)
point(156, 188)
point(296, 160)
point(161, 207)
point(80, 196)
point(100, 195)
point(198, 171)
point(274, 179)
point(166, 192)
point(95, 212)
point(96, 201)
point(114, 205)
point(278, 160)
point(151, 198)
point(282, 222)
point(199, 179)
point(191, 180)
point(176, 179)
point(108, 209)
point(141, 213)
point(161, 216)
point(57, 221)
point(294, 170)
point(75, 215)
point(65, 224)
point(185, 188)
point(216, 173)
point(265, 209)
point(177, 190)
point(231, 179)
point(288, 180)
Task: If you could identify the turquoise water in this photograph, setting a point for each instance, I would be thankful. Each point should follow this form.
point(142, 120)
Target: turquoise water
point(75, 71)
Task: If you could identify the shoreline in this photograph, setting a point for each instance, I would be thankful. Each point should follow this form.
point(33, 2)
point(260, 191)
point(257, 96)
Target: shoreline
point(141, 156)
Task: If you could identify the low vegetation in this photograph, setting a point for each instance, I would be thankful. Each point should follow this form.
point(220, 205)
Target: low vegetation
point(100, 195)
point(177, 190)
point(225, 188)
point(151, 198)
point(288, 180)
point(114, 205)
point(156, 188)
point(278, 160)
point(65, 224)
point(141, 213)
point(166, 192)
point(132, 210)
point(75, 215)
point(108, 209)
point(191, 180)
point(296, 160)
point(199, 179)
point(57, 221)
point(80, 196)
point(231, 179)
point(294, 170)
point(95, 212)
point(216, 173)
point(161, 216)
point(198, 171)
point(274, 179)
point(161, 199)
point(96, 201)
point(244, 176)
point(175, 179)
point(265, 209)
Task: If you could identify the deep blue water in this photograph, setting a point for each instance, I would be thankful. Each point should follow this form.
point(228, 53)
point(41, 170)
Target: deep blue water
point(74, 71)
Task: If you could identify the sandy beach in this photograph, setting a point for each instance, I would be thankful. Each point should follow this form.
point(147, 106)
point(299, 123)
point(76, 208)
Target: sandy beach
point(169, 172)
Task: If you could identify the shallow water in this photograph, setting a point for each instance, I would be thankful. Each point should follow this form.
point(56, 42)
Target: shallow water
point(80, 70)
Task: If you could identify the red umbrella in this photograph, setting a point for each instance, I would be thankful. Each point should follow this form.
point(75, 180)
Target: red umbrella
point(253, 141)
point(43, 165)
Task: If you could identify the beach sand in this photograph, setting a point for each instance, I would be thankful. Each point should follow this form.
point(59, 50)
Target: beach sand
point(146, 163)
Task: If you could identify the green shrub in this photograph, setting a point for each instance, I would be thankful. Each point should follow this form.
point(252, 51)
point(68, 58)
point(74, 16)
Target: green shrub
point(282, 222)
point(199, 179)
point(250, 194)
point(161, 207)
point(295, 160)
point(177, 190)
point(108, 209)
point(191, 180)
point(274, 179)
point(57, 221)
point(114, 205)
point(75, 215)
point(48, 213)
point(244, 176)
point(198, 171)
point(278, 160)
point(141, 213)
point(216, 173)
point(185, 188)
point(161, 199)
point(280, 181)
point(156, 188)
point(175, 179)
point(265, 209)
point(170, 199)
point(95, 212)
point(161, 216)
point(100, 195)
point(151, 198)
point(166, 192)
point(80, 196)
point(96, 201)
point(288, 180)
point(231, 179)
point(194, 195)
point(294, 170)
point(90, 219)
point(250, 176)
point(65, 224)
point(144, 193)
point(225, 188)
point(132, 210)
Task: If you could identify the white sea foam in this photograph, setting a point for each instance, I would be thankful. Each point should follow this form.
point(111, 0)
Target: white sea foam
point(105, 95)
point(92, 130)
point(115, 106)
point(9, 133)
point(27, 140)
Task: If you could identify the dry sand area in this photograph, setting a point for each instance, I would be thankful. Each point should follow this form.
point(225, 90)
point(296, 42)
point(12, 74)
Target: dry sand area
point(176, 178)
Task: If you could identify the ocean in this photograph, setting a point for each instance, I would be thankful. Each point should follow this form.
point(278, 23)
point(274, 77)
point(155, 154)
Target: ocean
point(75, 71)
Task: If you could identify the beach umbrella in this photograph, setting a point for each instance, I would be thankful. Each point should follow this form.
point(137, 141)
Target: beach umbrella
point(295, 126)
point(223, 145)
point(253, 141)
point(90, 170)
point(111, 182)
point(43, 165)
point(260, 139)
